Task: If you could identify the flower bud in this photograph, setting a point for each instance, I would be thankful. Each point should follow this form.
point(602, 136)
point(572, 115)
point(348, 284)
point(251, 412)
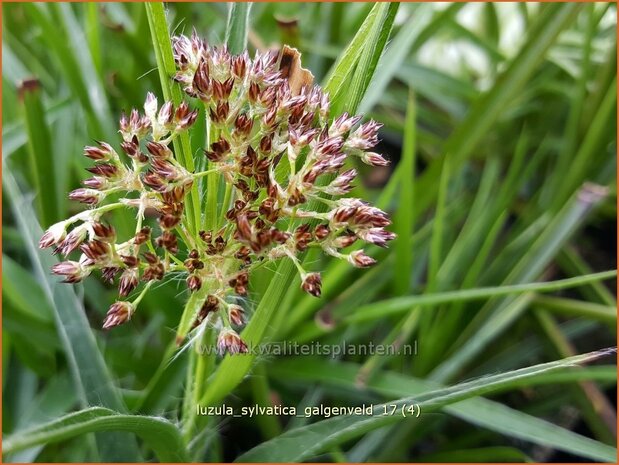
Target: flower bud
point(194, 283)
point(73, 240)
point(118, 313)
point(359, 259)
point(128, 281)
point(73, 271)
point(87, 196)
point(54, 235)
point(374, 159)
point(101, 153)
point(104, 232)
point(142, 236)
point(150, 105)
point(229, 341)
point(236, 315)
point(378, 236)
point(312, 283)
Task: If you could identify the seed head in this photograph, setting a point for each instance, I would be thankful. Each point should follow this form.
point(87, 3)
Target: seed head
point(278, 150)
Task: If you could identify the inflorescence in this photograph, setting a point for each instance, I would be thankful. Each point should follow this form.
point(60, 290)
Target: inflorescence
point(280, 154)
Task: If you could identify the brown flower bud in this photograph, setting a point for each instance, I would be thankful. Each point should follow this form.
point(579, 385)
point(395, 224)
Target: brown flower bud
point(243, 125)
point(107, 170)
point(130, 261)
point(219, 150)
point(359, 259)
point(168, 241)
point(96, 182)
point(154, 181)
point(87, 196)
point(194, 283)
point(240, 283)
point(54, 235)
point(119, 313)
point(206, 236)
point(378, 236)
point(158, 150)
point(95, 250)
point(73, 240)
point(104, 232)
point(236, 315)
point(128, 281)
point(243, 227)
point(101, 153)
point(169, 221)
point(302, 237)
point(109, 273)
point(321, 231)
point(72, 271)
point(142, 236)
point(374, 159)
point(229, 341)
point(312, 284)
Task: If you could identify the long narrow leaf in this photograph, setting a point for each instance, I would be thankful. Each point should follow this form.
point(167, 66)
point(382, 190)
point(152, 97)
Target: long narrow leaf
point(237, 27)
point(92, 380)
point(308, 441)
point(481, 412)
point(160, 435)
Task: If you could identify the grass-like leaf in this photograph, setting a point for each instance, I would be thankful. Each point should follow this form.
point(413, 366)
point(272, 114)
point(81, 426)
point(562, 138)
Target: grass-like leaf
point(160, 435)
point(352, 73)
point(308, 441)
point(237, 26)
point(41, 160)
point(479, 411)
point(92, 379)
point(401, 304)
point(171, 92)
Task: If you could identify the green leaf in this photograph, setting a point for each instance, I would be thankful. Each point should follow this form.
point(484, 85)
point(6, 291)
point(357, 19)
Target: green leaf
point(92, 381)
point(237, 26)
point(488, 108)
point(171, 92)
point(578, 308)
point(308, 441)
point(404, 217)
point(541, 250)
point(395, 55)
point(398, 305)
point(352, 73)
point(63, 36)
point(160, 435)
point(41, 154)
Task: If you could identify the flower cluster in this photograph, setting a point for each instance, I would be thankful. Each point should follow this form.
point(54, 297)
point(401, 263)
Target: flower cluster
point(282, 158)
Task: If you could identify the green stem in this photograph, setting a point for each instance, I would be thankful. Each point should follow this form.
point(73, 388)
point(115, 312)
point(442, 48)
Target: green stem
point(167, 68)
point(139, 298)
point(212, 183)
point(205, 173)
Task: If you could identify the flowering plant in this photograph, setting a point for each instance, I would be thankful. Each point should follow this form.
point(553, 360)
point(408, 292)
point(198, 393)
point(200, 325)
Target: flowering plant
point(281, 155)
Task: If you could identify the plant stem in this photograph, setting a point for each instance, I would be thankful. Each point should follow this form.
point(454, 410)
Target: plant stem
point(171, 92)
point(205, 173)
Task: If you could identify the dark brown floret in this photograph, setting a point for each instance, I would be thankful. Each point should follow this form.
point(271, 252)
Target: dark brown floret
point(312, 284)
point(119, 313)
point(168, 241)
point(142, 236)
point(194, 283)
